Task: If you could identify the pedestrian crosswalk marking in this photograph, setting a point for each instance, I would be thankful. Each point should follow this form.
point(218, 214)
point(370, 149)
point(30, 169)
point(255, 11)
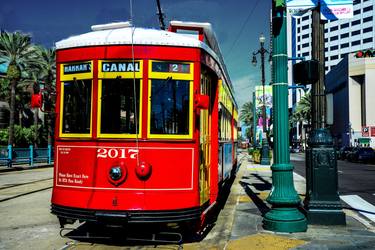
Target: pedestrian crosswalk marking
point(360, 204)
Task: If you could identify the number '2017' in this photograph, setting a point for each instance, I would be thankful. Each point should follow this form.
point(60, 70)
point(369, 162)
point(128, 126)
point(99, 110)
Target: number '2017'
point(121, 153)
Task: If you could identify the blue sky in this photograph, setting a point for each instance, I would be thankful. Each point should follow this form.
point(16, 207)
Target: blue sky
point(236, 23)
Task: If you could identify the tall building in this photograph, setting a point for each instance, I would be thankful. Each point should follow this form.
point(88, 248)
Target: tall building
point(341, 36)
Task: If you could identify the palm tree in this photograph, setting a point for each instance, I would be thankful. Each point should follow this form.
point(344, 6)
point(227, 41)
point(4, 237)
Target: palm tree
point(48, 76)
point(246, 113)
point(302, 113)
point(17, 51)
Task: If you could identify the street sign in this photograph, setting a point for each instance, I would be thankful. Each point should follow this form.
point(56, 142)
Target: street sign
point(299, 7)
point(365, 131)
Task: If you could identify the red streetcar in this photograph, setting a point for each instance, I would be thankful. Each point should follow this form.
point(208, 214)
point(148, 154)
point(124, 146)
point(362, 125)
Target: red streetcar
point(146, 125)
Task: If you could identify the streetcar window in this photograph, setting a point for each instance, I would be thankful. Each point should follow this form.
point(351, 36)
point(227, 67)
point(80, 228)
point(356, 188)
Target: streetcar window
point(77, 107)
point(170, 107)
point(118, 106)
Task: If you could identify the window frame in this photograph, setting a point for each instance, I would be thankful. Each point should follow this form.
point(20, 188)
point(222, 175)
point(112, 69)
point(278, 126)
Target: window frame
point(189, 77)
point(124, 75)
point(71, 77)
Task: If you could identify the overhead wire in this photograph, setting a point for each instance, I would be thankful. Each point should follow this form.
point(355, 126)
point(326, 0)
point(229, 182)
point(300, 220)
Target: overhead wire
point(242, 28)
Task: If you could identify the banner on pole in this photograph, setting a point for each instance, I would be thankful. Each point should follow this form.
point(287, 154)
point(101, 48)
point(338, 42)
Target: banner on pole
point(329, 9)
point(336, 9)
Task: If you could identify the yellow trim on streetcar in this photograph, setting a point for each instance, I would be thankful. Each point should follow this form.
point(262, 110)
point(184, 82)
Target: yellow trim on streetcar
point(174, 75)
point(70, 77)
point(102, 135)
point(129, 74)
point(169, 136)
point(74, 135)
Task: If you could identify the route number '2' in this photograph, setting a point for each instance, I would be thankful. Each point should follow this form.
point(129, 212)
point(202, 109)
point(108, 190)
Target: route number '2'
point(121, 153)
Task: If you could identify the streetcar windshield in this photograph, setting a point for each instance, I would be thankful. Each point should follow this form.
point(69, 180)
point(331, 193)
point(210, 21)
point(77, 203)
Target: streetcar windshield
point(77, 107)
point(120, 106)
point(170, 106)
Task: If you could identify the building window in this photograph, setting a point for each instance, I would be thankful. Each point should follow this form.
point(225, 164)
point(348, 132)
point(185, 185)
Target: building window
point(298, 39)
point(344, 45)
point(305, 36)
point(305, 45)
point(325, 40)
point(345, 35)
point(305, 18)
point(334, 38)
point(367, 19)
point(326, 68)
point(299, 47)
point(356, 43)
point(298, 29)
point(367, 9)
point(344, 55)
point(344, 25)
point(334, 57)
point(305, 54)
point(325, 58)
point(357, 32)
point(305, 27)
point(334, 28)
point(356, 22)
point(367, 40)
point(335, 47)
point(356, 2)
point(325, 30)
point(369, 29)
point(326, 49)
point(356, 12)
point(298, 21)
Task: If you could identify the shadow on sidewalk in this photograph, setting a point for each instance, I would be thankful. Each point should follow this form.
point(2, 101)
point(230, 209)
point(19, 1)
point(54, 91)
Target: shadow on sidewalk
point(261, 205)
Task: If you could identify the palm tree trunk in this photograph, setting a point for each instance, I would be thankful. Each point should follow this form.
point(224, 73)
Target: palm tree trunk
point(12, 107)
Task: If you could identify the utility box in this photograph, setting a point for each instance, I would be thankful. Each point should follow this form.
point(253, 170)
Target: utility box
point(306, 72)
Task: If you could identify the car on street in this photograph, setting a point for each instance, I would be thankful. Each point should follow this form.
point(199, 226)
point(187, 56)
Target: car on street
point(361, 154)
point(343, 152)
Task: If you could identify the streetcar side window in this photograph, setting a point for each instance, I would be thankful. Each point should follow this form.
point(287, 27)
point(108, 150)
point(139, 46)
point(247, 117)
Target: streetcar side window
point(76, 117)
point(120, 106)
point(170, 101)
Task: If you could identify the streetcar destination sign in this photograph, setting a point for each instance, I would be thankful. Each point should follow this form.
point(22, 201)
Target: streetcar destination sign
point(120, 67)
point(77, 68)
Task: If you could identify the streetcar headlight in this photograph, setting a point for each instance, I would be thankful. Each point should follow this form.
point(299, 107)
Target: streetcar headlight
point(115, 173)
point(143, 170)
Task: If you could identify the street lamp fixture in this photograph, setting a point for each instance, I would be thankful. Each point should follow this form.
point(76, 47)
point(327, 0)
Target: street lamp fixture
point(265, 159)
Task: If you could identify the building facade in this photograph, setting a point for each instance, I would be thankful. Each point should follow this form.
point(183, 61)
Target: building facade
point(341, 36)
point(352, 83)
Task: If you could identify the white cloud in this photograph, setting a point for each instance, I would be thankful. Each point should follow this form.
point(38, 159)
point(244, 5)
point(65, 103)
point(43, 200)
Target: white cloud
point(244, 88)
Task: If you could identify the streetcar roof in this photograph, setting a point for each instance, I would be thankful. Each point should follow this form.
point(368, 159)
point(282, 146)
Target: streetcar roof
point(121, 34)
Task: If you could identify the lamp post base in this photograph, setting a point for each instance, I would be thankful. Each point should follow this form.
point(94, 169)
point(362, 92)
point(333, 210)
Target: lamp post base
point(265, 151)
point(322, 203)
point(283, 219)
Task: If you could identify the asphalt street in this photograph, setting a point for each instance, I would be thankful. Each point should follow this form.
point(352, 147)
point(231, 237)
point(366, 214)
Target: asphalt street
point(355, 181)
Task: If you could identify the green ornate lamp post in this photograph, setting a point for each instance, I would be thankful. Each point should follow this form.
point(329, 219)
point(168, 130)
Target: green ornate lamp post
point(265, 159)
point(285, 214)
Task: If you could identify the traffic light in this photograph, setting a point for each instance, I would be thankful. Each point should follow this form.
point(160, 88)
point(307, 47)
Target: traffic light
point(365, 53)
point(306, 72)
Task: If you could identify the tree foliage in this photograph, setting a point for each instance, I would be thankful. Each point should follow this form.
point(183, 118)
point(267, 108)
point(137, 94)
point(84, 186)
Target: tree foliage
point(246, 113)
point(27, 63)
point(302, 112)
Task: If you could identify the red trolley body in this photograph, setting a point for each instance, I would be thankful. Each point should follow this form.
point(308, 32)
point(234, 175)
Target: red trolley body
point(145, 131)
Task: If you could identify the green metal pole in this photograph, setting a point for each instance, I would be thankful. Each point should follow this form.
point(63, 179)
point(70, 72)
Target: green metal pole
point(285, 214)
point(254, 122)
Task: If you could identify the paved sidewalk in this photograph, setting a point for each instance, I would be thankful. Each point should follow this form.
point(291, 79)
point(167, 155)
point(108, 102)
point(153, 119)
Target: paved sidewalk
point(20, 167)
point(251, 188)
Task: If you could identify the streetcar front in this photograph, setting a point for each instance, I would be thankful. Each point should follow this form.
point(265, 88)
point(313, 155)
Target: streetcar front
point(126, 144)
